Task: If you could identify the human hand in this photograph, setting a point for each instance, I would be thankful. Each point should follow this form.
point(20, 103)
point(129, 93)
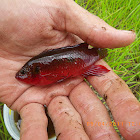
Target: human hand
point(27, 28)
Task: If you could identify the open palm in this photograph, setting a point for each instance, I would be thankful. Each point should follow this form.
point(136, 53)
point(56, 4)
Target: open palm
point(31, 27)
point(22, 38)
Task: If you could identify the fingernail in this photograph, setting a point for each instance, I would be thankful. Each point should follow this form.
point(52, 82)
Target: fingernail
point(129, 32)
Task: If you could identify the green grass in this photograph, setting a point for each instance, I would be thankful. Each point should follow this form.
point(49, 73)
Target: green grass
point(124, 61)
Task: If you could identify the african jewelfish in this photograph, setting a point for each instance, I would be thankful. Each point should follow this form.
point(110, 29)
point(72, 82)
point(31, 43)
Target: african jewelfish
point(59, 64)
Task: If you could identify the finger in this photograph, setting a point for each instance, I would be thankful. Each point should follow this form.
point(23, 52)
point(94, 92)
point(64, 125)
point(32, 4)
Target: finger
point(66, 120)
point(43, 95)
point(93, 30)
point(94, 114)
point(123, 104)
point(34, 122)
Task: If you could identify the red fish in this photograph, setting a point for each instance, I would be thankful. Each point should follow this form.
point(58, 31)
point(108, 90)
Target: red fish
point(59, 64)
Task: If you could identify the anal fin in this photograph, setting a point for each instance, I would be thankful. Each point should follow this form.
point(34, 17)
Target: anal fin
point(96, 70)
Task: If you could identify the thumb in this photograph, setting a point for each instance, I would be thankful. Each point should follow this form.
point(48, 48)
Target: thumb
point(94, 30)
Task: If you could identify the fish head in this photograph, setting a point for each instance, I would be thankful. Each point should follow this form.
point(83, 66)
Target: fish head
point(28, 74)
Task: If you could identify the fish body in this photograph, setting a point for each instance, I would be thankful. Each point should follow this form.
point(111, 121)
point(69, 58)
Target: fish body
point(59, 64)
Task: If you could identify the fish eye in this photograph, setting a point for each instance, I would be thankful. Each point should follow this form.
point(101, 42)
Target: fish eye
point(22, 72)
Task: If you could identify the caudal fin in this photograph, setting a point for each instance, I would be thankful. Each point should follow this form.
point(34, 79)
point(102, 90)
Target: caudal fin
point(96, 70)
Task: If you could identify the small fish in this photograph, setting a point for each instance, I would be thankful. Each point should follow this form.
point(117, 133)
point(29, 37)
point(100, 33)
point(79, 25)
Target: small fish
point(59, 64)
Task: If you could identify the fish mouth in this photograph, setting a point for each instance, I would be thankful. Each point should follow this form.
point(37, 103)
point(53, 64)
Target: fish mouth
point(20, 76)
